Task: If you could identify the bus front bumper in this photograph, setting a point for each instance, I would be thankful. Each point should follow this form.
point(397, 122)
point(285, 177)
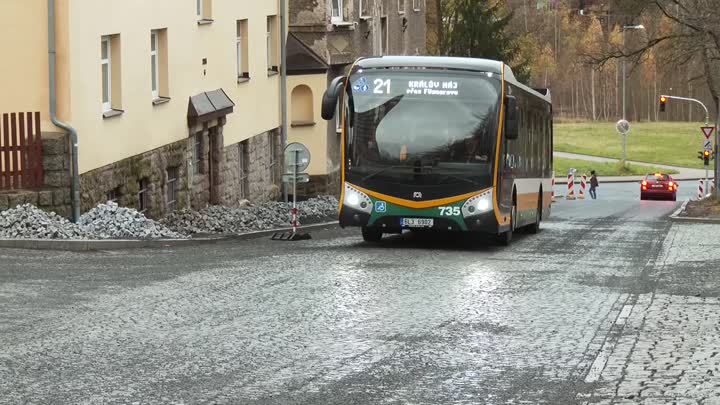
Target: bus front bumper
point(482, 223)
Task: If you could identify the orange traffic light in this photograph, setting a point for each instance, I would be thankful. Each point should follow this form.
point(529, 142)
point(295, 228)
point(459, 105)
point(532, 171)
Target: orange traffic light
point(663, 100)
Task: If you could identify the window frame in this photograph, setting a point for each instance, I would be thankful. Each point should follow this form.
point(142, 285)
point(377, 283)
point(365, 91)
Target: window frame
point(171, 188)
point(155, 54)
point(238, 50)
point(401, 6)
point(340, 17)
point(200, 9)
point(268, 42)
point(143, 184)
point(417, 4)
point(107, 84)
point(362, 15)
point(243, 169)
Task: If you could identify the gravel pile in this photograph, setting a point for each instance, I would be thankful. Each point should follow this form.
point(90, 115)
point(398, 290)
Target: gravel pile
point(29, 222)
point(226, 220)
point(110, 221)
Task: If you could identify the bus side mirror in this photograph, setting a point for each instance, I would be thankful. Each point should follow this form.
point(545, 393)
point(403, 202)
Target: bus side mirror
point(511, 118)
point(330, 98)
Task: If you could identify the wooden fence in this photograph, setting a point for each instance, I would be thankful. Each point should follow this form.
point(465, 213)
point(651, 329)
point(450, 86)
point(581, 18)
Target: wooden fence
point(21, 156)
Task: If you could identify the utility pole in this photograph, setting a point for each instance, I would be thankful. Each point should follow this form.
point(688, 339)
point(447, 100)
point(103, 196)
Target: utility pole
point(283, 84)
point(626, 27)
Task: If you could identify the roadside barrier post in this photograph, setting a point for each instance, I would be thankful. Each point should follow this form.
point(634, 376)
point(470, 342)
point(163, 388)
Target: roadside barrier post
point(700, 190)
point(552, 188)
point(571, 186)
point(583, 183)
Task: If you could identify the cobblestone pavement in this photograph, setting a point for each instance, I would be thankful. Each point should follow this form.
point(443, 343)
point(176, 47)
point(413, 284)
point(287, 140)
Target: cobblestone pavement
point(609, 304)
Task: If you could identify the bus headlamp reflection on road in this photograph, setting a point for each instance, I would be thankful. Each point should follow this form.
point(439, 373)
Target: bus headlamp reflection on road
point(357, 199)
point(478, 204)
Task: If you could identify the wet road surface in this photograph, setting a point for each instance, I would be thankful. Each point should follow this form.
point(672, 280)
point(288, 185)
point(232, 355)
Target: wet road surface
point(610, 303)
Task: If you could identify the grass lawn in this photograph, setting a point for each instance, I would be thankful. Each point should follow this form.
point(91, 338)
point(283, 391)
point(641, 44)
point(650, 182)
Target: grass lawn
point(670, 143)
point(562, 166)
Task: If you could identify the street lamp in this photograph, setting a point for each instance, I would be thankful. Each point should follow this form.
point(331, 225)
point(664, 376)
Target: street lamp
point(626, 27)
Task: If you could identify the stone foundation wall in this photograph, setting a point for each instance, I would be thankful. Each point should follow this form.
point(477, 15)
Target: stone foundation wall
point(55, 195)
point(193, 190)
point(320, 185)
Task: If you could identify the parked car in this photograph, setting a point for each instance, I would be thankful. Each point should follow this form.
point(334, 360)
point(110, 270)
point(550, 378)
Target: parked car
point(658, 186)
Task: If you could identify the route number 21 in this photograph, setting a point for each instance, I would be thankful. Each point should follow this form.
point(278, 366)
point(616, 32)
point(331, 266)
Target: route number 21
point(379, 84)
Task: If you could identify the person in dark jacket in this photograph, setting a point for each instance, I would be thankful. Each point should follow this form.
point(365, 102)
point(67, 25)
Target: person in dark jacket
point(593, 184)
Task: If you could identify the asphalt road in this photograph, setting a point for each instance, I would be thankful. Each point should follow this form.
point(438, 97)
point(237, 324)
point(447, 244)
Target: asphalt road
point(610, 303)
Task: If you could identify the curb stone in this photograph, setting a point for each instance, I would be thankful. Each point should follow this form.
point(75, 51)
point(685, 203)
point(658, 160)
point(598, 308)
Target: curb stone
point(675, 216)
point(117, 244)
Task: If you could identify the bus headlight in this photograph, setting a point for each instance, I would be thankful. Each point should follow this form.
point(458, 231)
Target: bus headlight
point(357, 199)
point(478, 204)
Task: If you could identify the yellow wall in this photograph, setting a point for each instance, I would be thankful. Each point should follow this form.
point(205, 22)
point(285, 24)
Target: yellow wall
point(142, 126)
point(24, 64)
point(314, 137)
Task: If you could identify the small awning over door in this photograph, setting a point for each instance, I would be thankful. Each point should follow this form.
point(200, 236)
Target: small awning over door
point(208, 106)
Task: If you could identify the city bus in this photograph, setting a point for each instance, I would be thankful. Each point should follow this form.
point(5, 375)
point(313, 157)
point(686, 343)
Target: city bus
point(441, 144)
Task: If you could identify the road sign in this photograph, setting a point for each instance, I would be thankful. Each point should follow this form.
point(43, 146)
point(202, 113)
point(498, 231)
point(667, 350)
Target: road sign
point(623, 127)
point(296, 150)
point(301, 178)
point(707, 144)
point(707, 131)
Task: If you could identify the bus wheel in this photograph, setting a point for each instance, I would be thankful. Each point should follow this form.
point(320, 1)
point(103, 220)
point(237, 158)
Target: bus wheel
point(371, 234)
point(505, 238)
point(535, 228)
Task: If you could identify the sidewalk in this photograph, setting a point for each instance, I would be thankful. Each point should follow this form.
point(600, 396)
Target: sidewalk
point(684, 173)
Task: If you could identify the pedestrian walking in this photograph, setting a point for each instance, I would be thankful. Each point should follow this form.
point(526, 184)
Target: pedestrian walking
point(593, 184)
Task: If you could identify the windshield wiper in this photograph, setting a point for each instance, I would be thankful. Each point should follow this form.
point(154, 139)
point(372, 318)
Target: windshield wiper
point(383, 170)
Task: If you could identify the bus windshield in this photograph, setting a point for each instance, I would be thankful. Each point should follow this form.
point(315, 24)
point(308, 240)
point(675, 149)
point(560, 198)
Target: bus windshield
point(423, 128)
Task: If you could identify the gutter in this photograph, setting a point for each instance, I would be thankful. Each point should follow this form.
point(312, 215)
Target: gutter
point(75, 187)
point(283, 84)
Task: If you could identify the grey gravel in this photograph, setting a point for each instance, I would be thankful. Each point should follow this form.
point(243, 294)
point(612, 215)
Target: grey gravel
point(29, 222)
point(248, 217)
point(110, 221)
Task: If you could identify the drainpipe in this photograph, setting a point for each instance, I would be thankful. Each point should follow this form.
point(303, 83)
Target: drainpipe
point(53, 100)
point(283, 84)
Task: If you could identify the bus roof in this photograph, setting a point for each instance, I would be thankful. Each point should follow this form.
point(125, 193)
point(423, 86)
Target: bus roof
point(449, 62)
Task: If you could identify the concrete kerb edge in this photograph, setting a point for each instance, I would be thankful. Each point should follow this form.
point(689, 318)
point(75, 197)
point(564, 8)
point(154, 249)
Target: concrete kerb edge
point(117, 244)
point(564, 182)
point(675, 216)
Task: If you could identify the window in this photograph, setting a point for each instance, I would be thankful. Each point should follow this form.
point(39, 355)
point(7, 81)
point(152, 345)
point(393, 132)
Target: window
point(272, 151)
point(204, 11)
point(197, 154)
point(337, 11)
point(159, 66)
point(113, 195)
point(110, 71)
point(272, 66)
point(171, 188)
point(154, 65)
point(364, 8)
point(242, 50)
point(383, 36)
point(416, 5)
point(105, 56)
point(401, 6)
point(143, 195)
point(338, 116)
point(301, 101)
point(243, 168)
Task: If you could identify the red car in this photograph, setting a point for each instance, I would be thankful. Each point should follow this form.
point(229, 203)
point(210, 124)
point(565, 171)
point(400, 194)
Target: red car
point(658, 185)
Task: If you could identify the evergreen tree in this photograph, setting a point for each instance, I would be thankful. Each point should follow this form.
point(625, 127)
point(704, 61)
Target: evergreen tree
point(477, 28)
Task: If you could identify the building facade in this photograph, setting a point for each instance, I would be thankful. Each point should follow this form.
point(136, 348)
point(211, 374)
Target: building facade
point(338, 32)
point(176, 102)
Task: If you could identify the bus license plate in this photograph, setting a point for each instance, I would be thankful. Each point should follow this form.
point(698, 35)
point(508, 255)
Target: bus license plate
point(417, 222)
